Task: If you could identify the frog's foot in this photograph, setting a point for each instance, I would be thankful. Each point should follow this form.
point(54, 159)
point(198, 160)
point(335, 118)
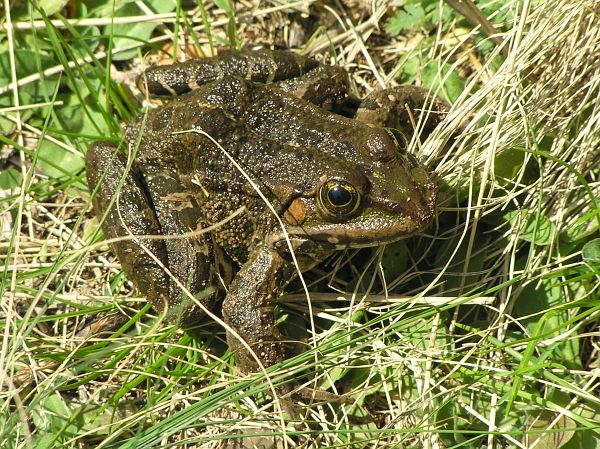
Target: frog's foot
point(263, 66)
point(326, 86)
point(269, 350)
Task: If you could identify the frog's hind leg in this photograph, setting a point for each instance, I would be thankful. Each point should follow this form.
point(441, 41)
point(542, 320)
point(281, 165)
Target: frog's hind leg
point(264, 66)
point(128, 214)
point(154, 204)
point(325, 85)
point(404, 107)
point(194, 261)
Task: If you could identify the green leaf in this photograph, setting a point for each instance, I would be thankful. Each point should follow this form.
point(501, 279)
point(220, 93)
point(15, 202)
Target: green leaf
point(497, 11)
point(45, 442)
point(26, 63)
point(87, 41)
point(82, 89)
point(394, 260)
point(412, 16)
point(163, 6)
point(83, 118)
point(507, 165)
point(476, 260)
point(225, 5)
point(129, 34)
point(409, 68)
point(537, 229)
point(232, 34)
point(56, 161)
point(70, 117)
point(584, 226)
point(444, 80)
point(52, 6)
point(25, 11)
point(9, 179)
point(92, 229)
point(587, 439)
point(538, 306)
point(536, 299)
point(591, 252)
point(546, 430)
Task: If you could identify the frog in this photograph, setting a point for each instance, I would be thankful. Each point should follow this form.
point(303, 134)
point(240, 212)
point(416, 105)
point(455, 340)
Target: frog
point(258, 165)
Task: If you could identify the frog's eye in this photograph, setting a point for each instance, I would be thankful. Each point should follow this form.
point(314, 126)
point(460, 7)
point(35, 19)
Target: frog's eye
point(399, 138)
point(339, 198)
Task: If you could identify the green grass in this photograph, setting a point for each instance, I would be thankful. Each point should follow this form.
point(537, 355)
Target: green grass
point(481, 333)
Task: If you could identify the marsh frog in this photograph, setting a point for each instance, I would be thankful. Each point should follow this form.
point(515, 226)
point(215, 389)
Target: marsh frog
point(258, 157)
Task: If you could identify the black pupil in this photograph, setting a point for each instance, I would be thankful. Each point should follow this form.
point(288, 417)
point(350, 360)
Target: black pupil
point(339, 196)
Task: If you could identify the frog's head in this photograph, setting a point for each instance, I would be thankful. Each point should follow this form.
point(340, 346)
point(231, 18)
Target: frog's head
point(378, 196)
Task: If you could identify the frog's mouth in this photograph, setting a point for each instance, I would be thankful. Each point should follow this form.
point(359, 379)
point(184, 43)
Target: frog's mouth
point(371, 228)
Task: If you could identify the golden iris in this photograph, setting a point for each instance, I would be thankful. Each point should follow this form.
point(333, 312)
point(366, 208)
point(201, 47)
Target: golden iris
point(340, 199)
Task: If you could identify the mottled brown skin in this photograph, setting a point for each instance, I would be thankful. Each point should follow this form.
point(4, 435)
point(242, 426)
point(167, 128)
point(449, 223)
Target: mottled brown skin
point(335, 181)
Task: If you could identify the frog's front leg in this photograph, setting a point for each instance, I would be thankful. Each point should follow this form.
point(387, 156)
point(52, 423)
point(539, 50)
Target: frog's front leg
point(248, 309)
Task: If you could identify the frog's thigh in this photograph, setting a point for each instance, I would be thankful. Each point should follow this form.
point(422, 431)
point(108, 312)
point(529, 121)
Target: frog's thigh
point(190, 253)
point(324, 86)
point(121, 198)
point(403, 107)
